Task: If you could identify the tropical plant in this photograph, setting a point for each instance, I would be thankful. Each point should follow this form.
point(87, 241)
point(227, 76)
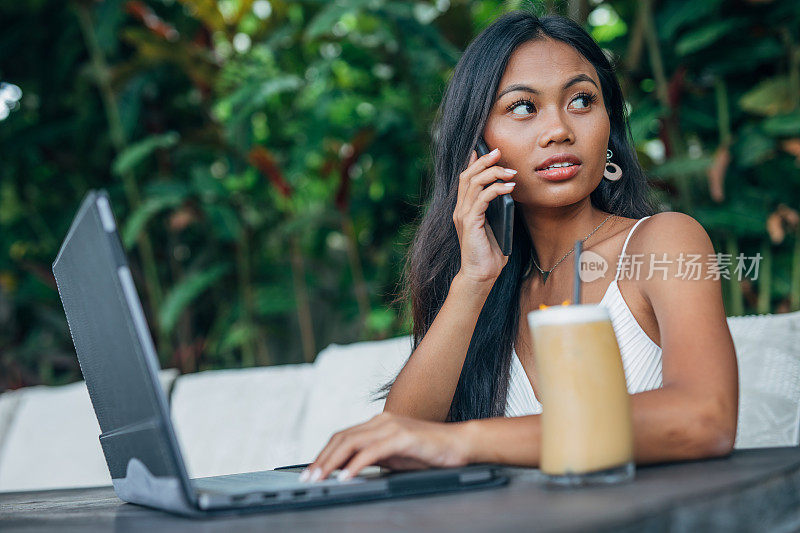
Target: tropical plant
point(268, 160)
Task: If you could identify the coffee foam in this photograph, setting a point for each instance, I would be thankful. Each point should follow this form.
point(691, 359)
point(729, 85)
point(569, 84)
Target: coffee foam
point(568, 314)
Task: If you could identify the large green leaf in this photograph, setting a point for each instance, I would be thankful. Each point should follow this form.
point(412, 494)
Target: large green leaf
point(136, 153)
point(643, 121)
point(129, 103)
point(109, 17)
point(752, 146)
point(676, 14)
point(271, 300)
point(329, 15)
point(788, 124)
point(707, 35)
point(205, 185)
point(744, 57)
point(136, 222)
point(254, 95)
point(185, 292)
point(224, 221)
point(770, 97)
point(237, 336)
point(741, 220)
point(681, 166)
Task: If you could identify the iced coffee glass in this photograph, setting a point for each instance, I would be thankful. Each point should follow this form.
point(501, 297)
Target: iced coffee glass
point(587, 434)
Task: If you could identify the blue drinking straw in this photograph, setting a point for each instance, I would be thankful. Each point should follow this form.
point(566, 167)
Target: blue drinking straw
point(576, 288)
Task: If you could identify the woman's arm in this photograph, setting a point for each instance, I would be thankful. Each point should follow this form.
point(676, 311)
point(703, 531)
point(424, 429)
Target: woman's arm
point(698, 355)
point(425, 386)
point(667, 426)
point(672, 423)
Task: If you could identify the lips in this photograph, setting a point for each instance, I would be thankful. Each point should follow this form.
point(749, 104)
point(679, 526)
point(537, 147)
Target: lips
point(559, 158)
point(559, 173)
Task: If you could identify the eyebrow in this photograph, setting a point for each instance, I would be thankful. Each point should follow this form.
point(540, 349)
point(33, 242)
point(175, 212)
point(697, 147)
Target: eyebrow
point(572, 81)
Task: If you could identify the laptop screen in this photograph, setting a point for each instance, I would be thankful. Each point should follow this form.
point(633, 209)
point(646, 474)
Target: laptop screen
point(113, 344)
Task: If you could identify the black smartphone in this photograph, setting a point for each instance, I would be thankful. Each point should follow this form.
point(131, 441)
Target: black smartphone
point(500, 213)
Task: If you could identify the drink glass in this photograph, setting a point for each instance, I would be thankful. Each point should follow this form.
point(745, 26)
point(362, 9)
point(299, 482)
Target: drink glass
point(587, 431)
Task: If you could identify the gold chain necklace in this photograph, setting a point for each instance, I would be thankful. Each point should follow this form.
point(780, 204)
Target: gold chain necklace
point(546, 273)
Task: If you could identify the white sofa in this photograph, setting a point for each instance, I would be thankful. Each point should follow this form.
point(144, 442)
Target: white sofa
point(243, 420)
point(253, 419)
point(49, 438)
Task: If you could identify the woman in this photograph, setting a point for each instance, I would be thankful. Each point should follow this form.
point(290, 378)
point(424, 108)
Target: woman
point(537, 88)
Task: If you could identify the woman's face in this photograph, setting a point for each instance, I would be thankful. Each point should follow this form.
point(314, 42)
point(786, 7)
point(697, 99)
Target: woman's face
point(535, 116)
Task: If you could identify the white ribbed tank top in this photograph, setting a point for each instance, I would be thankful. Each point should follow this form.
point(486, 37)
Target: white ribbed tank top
point(641, 357)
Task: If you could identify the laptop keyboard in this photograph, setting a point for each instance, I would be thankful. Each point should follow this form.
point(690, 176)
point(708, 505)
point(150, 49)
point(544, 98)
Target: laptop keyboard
point(270, 480)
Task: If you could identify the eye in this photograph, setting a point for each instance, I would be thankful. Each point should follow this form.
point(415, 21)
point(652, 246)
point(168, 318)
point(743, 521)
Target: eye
point(520, 104)
point(588, 98)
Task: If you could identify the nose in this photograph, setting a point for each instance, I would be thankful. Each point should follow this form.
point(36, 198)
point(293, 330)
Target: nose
point(554, 128)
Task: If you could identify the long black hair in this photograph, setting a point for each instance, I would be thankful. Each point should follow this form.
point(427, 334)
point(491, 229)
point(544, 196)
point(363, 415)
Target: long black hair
point(434, 257)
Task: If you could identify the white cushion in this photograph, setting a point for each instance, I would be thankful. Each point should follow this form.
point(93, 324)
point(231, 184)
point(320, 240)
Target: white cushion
point(244, 420)
point(52, 439)
point(769, 379)
point(345, 380)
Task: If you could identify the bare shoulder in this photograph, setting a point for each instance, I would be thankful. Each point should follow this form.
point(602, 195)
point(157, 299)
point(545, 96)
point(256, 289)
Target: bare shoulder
point(677, 262)
point(670, 232)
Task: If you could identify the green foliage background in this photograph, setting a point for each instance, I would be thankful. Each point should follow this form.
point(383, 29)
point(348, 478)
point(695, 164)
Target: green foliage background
point(268, 159)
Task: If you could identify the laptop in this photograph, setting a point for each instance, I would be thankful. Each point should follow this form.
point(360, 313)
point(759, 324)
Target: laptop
point(119, 363)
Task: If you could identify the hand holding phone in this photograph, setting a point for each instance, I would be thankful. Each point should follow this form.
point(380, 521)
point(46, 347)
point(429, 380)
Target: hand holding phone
point(500, 213)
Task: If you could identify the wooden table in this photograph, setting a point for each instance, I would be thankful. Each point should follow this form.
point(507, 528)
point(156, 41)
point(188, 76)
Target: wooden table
point(751, 490)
